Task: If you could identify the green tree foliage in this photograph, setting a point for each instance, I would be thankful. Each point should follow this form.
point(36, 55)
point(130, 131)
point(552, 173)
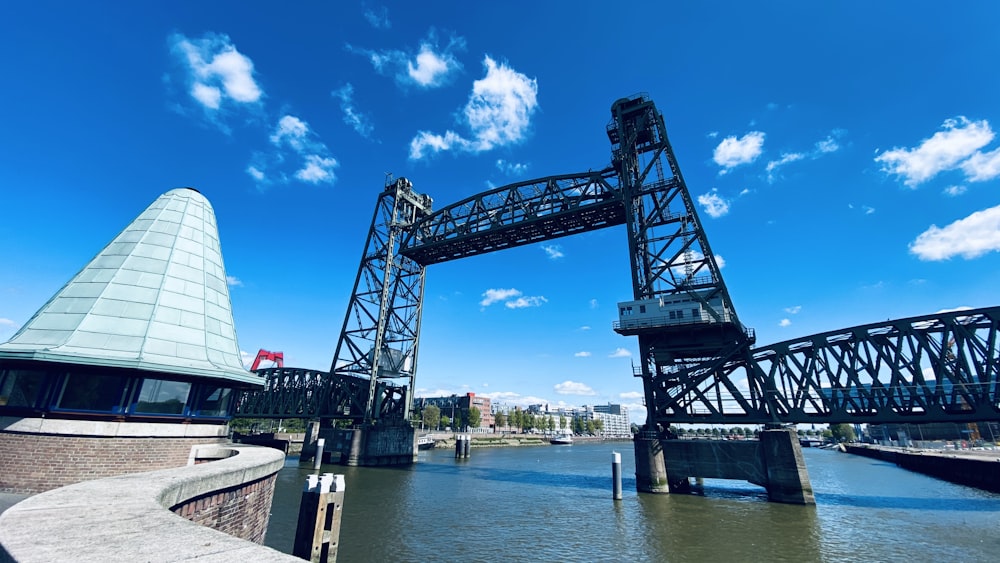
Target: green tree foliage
point(842, 432)
point(474, 418)
point(562, 422)
point(445, 421)
point(550, 423)
point(578, 426)
point(498, 420)
point(591, 427)
point(431, 416)
point(598, 424)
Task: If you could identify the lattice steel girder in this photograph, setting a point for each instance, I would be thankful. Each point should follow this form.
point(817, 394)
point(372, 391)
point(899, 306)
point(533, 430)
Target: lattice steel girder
point(943, 367)
point(516, 215)
point(380, 334)
point(310, 394)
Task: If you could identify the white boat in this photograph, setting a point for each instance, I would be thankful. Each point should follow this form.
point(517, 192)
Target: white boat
point(425, 443)
point(562, 440)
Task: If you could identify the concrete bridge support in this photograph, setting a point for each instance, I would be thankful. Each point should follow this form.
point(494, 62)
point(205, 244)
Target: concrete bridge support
point(774, 462)
point(371, 445)
point(650, 473)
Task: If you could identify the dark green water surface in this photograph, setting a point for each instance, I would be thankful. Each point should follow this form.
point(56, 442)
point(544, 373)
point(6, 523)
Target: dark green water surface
point(553, 503)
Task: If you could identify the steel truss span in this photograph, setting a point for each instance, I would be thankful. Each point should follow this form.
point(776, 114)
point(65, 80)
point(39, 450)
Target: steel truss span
point(304, 393)
point(941, 367)
point(696, 358)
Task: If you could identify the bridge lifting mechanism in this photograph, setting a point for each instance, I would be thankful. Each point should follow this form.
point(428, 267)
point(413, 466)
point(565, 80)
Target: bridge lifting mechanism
point(696, 358)
point(263, 355)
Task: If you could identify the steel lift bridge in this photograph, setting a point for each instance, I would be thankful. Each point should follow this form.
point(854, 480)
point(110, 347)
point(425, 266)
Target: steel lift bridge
point(697, 360)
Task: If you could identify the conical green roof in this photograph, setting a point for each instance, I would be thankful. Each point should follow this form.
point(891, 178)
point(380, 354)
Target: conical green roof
point(155, 299)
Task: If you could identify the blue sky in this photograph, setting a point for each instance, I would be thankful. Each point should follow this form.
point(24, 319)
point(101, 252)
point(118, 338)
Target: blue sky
point(844, 157)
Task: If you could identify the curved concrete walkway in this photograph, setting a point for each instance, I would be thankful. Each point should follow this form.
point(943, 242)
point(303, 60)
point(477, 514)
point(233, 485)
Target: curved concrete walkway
point(127, 518)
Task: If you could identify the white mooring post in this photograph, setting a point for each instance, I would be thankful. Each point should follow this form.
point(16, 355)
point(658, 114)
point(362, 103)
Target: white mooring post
point(318, 461)
point(616, 475)
point(317, 534)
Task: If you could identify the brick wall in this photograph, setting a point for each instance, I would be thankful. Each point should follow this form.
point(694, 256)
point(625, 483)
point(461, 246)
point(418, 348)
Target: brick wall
point(240, 511)
point(32, 463)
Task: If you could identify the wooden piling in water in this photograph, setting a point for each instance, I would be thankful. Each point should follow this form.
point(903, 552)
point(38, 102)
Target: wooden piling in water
point(317, 533)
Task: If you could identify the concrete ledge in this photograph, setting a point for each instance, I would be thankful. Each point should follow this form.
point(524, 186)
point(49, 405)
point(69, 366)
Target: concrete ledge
point(56, 426)
point(127, 518)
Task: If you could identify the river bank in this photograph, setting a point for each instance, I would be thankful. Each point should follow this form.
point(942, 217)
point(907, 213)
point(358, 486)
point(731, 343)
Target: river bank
point(503, 440)
point(974, 468)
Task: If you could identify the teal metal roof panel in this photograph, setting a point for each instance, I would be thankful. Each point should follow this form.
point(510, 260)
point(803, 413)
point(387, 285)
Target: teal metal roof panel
point(155, 298)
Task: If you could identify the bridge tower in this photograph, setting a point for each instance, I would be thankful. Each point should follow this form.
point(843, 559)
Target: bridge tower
point(381, 330)
point(681, 311)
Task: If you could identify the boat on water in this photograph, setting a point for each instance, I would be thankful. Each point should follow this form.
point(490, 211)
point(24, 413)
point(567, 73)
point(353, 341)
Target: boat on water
point(425, 443)
point(562, 440)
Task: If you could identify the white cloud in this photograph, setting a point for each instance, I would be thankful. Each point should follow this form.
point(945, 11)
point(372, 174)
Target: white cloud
point(582, 355)
point(827, 145)
point(620, 353)
point(292, 131)
point(630, 395)
point(522, 302)
point(216, 71)
point(959, 140)
point(785, 159)
point(553, 251)
point(208, 96)
point(713, 204)
point(821, 148)
point(969, 238)
point(233, 281)
point(955, 190)
point(733, 152)
point(317, 170)
point(511, 168)
point(573, 388)
point(584, 327)
point(868, 209)
point(982, 166)
point(379, 19)
point(593, 304)
point(491, 296)
point(431, 66)
point(317, 165)
point(793, 310)
point(785, 322)
point(256, 173)
point(360, 122)
point(498, 114)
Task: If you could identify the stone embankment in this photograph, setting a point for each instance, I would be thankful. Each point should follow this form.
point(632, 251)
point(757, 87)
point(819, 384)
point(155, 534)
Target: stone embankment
point(974, 468)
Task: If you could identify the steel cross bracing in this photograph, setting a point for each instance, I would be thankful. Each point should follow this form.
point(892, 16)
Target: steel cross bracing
point(303, 393)
point(941, 367)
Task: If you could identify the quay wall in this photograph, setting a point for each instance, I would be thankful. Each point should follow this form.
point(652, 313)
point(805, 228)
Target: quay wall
point(980, 471)
point(38, 454)
point(215, 509)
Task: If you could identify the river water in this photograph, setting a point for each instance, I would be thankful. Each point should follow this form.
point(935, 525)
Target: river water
point(553, 503)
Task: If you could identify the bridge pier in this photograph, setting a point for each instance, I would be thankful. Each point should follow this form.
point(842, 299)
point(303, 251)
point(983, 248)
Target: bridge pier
point(774, 462)
point(371, 445)
point(650, 472)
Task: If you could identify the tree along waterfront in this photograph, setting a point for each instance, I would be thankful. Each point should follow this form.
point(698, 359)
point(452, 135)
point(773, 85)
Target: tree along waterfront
point(547, 503)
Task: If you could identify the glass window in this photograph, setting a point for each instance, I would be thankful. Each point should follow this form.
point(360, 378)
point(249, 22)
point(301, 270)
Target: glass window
point(214, 401)
point(159, 396)
point(642, 308)
point(21, 387)
point(93, 392)
point(673, 314)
